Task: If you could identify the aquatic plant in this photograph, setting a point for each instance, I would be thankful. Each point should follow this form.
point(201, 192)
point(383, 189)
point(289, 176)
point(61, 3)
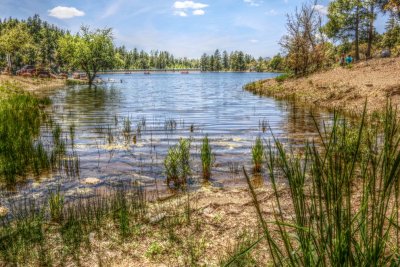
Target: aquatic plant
point(170, 124)
point(127, 128)
point(21, 150)
point(257, 152)
point(56, 205)
point(207, 158)
point(177, 164)
point(262, 125)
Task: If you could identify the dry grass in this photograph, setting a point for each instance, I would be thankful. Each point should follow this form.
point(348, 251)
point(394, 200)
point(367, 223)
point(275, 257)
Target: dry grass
point(32, 84)
point(343, 88)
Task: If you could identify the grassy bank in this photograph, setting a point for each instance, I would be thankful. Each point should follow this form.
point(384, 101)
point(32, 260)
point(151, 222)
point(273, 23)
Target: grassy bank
point(342, 88)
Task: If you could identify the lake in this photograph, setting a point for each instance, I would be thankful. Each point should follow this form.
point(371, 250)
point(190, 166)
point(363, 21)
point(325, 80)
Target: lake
point(122, 129)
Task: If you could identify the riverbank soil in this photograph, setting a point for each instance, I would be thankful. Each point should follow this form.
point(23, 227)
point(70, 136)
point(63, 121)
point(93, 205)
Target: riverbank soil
point(342, 88)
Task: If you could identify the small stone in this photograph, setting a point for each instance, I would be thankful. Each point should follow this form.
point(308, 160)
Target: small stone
point(91, 181)
point(3, 211)
point(157, 218)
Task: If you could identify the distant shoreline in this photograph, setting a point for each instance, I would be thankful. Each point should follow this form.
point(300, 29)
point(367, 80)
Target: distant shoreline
point(178, 71)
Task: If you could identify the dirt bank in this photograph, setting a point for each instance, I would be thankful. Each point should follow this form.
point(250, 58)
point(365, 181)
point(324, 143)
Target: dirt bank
point(343, 88)
point(32, 84)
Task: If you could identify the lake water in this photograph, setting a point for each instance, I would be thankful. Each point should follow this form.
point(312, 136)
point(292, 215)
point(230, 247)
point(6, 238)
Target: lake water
point(161, 109)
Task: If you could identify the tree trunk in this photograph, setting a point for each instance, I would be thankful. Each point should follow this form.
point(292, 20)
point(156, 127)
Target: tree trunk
point(91, 77)
point(357, 37)
point(371, 30)
point(9, 64)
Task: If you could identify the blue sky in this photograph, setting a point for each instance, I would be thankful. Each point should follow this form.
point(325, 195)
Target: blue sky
point(185, 28)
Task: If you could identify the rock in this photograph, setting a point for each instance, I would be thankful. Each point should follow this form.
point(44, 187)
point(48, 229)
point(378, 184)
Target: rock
point(79, 192)
point(3, 211)
point(157, 218)
point(91, 181)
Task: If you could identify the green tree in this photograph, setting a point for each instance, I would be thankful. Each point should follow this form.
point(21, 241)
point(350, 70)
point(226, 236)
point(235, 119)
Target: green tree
point(276, 63)
point(345, 18)
point(217, 60)
point(90, 51)
point(14, 40)
point(225, 60)
point(392, 35)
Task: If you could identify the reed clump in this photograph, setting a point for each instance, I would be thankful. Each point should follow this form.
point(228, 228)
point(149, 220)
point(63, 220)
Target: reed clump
point(21, 149)
point(207, 158)
point(344, 192)
point(177, 164)
point(257, 152)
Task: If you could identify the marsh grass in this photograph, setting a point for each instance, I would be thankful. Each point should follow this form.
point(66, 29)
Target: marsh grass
point(177, 164)
point(344, 191)
point(257, 152)
point(22, 151)
point(55, 231)
point(207, 158)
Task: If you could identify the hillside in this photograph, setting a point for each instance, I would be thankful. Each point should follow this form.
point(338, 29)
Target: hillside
point(343, 88)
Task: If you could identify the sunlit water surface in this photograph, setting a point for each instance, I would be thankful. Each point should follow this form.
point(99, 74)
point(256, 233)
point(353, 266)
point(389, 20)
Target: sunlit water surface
point(162, 108)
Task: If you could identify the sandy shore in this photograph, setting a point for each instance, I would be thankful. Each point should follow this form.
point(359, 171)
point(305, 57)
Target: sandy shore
point(342, 88)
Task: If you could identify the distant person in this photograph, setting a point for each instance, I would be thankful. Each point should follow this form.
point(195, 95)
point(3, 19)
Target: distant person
point(342, 60)
point(385, 53)
point(349, 59)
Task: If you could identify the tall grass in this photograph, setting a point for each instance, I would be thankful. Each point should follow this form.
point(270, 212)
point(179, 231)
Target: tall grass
point(207, 158)
point(49, 233)
point(177, 164)
point(344, 192)
point(257, 152)
point(22, 152)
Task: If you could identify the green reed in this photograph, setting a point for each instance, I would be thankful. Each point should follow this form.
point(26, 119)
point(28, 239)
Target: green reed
point(21, 151)
point(344, 192)
point(48, 233)
point(207, 158)
point(177, 164)
point(257, 152)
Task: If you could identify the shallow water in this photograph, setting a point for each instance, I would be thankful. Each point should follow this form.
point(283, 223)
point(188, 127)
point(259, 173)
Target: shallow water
point(166, 107)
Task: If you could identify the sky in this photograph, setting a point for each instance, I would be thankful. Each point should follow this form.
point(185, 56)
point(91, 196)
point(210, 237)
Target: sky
point(184, 28)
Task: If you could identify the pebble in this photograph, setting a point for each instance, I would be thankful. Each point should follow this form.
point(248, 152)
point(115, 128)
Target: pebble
point(3, 211)
point(91, 181)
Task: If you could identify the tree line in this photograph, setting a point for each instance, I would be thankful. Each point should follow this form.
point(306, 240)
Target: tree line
point(36, 42)
point(310, 45)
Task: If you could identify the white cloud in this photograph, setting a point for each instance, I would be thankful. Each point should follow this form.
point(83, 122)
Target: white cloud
point(253, 2)
point(321, 9)
point(182, 8)
point(254, 41)
point(198, 12)
point(63, 12)
point(189, 5)
point(180, 13)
